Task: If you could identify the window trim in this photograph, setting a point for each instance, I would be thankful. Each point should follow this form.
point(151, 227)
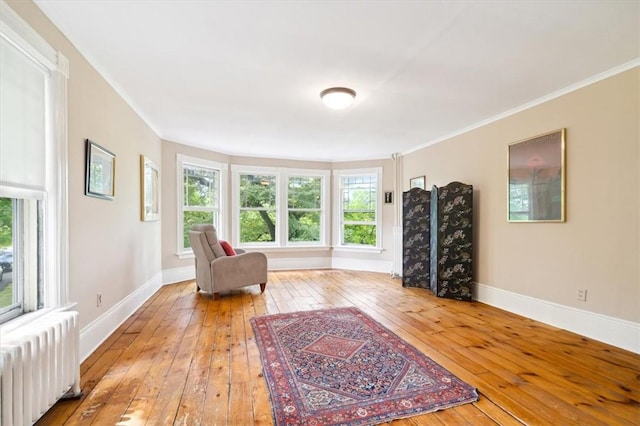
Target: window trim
point(54, 198)
point(222, 169)
point(282, 209)
point(338, 227)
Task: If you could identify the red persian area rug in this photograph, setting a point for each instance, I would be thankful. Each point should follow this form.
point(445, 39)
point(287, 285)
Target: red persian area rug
point(341, 367)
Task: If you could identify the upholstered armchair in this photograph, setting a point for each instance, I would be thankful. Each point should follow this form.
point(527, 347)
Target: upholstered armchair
point(216, 271)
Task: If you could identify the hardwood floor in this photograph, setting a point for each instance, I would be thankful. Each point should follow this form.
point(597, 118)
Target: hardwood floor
point(184, 358)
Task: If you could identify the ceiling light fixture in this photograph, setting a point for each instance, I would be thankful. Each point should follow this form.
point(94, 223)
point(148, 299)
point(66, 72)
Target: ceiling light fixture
point(338, 97)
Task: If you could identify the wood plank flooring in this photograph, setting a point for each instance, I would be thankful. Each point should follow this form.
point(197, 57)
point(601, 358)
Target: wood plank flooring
point(185, 359)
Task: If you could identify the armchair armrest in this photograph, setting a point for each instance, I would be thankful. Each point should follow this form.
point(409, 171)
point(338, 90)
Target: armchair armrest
point(229, 272)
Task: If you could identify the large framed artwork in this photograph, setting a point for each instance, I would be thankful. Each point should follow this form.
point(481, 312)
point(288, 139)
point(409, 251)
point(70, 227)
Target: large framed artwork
point(149, 190)
point(100, 172)
point(537, 179)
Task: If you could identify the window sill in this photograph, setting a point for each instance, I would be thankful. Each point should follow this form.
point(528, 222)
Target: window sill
point(356, 249)
point(294, 249)
point(290, 249)
point(186, 255)
point(26, 318)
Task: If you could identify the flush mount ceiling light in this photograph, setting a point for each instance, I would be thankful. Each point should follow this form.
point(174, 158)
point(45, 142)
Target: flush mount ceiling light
point(338, 97)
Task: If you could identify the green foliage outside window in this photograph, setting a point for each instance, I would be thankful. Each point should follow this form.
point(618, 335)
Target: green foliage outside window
point(6, 223)
point(360, 234)
point(194, 218)
point(257, 226)
point(200, 187)
point(200, 198)
point(304, 204)
point(359, 198)
point(257, 208)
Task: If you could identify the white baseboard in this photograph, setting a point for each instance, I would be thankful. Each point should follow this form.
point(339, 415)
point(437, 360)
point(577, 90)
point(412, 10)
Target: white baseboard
point(93, 334)
point(176, 275)
point(361, 264)
point(282, 263)
point(614, 331)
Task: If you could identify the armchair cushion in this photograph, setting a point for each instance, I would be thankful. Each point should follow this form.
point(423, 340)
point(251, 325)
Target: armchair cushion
point(227, 248)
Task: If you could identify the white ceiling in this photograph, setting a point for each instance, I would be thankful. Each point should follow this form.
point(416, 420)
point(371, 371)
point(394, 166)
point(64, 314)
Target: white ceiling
point(244, 78)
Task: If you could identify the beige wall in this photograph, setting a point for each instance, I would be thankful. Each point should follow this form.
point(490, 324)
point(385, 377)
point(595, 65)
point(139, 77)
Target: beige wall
point(111, 250)
point(597, 247)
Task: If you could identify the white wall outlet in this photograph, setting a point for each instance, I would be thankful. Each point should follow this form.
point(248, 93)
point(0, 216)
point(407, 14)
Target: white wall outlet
point(582, 294)
point(99, 299)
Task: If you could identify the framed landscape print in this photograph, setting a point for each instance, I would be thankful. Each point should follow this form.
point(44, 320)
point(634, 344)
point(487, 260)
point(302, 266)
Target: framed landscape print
point(149, 190)
point(100, 171)
point(536, 190)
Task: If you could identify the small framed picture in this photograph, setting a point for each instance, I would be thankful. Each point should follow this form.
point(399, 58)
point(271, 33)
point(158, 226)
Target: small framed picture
point(388, 197)
point(100, 172)
point(149, 190)
point(416, 182)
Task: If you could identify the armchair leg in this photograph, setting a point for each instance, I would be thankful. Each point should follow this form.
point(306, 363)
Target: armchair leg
point(262, 287)
point(216, 296)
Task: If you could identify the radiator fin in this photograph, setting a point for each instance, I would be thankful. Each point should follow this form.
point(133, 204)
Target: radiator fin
point(39, 363)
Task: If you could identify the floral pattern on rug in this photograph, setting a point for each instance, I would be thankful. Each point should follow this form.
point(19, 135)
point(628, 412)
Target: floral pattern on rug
point(339, 366)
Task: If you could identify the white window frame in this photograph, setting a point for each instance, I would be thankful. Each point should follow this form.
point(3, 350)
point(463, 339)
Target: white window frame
point(338, 210)
point(54, 198)
point(282, 175)
point(271, 171)
point(324, 176)
point(222, 169)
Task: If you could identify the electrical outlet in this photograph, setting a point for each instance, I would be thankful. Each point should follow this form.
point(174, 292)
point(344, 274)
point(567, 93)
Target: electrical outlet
point(582, 294)
point(99, 299)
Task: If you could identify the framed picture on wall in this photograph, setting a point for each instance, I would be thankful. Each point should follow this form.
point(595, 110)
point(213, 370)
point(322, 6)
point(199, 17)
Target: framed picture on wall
point(149, 190)
point(100, 172)
point(536, 190)
point(417, 182)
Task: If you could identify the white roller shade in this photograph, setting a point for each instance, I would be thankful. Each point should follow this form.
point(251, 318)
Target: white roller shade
point(22, 119)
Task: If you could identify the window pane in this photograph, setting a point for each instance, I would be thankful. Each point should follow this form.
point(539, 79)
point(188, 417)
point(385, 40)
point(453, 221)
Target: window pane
point(257, 226)
point(257, 191)
point(360, 234)
point(200, 186)
point(359, 193)
point(194, 218)
point(304, 192)
point(8, 297)
point(304, 226)
point(359, 216)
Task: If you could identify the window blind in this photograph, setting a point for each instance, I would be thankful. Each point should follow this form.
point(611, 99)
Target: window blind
point(22, 119)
